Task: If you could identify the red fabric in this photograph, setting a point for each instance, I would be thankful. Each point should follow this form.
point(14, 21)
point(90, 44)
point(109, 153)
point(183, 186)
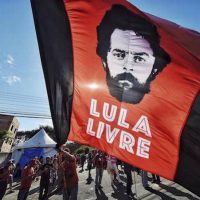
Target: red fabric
point(5, 174)
point(71, 177)
point(27, 177)
point(99, 161)
point(166, 107)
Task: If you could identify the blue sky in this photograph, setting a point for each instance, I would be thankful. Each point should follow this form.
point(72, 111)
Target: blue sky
point(22, 85)
point(182, 12)
point(21, 76)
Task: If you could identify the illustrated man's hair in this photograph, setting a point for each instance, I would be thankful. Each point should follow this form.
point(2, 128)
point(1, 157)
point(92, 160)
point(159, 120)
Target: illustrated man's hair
point(122, 18)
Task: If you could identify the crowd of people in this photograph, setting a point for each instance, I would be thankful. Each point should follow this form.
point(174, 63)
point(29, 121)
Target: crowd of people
point(60, 172)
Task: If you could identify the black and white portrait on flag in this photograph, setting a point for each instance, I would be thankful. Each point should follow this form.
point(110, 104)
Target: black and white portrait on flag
point(129, 47)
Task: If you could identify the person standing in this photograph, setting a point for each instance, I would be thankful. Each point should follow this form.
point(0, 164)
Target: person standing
point(89, 166)
point(70, 176)
point(144, 179)
point(17, 171)
point(10, 180)
point(45, 171)
point(28, 175)
point(37, 168)
point(55, 170)
point(128, 171)
point(59, 172)
point(112, 161)
point(155, 179)
point(100, 164)
point(83, 158)
point(110, 169)
point(4, 176)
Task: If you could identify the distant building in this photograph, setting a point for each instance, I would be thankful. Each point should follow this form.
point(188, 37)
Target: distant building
point(8, 129)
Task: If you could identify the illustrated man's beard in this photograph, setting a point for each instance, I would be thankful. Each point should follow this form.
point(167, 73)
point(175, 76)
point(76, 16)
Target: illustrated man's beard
point(125, 87)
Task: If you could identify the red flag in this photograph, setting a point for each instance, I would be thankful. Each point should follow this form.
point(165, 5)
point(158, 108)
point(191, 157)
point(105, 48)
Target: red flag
point(135, 78)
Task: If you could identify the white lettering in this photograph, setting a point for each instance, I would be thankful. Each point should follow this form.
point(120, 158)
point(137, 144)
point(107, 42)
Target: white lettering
point(100, 129)
point(122, 117)
point(142, 125)
point(143, 148)
point(111, 134)
point(109, 117)
point(93, 107)
point(89, 127)
point(127, 141)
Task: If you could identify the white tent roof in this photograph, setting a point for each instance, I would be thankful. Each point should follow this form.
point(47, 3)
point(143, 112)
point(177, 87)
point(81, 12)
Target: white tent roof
point(40, 139)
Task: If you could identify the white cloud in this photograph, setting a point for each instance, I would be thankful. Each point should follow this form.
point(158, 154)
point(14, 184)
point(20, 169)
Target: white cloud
point(10, 60)
point(11, 79)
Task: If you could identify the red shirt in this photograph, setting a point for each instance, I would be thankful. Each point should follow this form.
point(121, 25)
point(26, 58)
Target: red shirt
point(5, 173)
point(27, 177)
point(99, 161)
point(70, 174)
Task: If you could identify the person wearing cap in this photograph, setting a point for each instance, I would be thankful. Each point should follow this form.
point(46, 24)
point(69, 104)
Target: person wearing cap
point(28, 175)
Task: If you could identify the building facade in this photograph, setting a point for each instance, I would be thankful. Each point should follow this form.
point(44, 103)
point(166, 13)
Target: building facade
point(8, 129)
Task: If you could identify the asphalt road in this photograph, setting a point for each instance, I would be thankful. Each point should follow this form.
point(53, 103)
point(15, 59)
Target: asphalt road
point(166, 190)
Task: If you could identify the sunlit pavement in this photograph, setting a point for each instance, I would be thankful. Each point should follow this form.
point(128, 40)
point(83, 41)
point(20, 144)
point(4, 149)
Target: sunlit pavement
point(166, 190)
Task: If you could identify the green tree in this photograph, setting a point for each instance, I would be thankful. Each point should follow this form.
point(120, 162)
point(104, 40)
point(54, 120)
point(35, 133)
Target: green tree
point(49, 130)
point(6, 134)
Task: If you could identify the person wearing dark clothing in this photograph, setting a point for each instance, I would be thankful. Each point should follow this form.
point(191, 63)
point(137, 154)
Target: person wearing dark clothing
point(155, 179)
point(89, 161)
point(83, 158)
point(17, 171)
point(128, 171)
point(45, 179)
point(4, 176)
point(100, 163)
point(119, 162)
point(138, 170)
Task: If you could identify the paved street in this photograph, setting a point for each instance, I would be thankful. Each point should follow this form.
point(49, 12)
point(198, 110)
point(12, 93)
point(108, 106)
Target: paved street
point(166, 190)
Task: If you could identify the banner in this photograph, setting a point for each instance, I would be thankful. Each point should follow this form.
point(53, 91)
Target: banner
point(133, 79)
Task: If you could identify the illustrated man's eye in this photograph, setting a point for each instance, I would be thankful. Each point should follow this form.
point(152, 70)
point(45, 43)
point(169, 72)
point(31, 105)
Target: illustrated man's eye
point(139, 59)
point(119, 54)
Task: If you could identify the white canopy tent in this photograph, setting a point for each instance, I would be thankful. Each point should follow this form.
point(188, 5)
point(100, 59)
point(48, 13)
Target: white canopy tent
point(40, 140)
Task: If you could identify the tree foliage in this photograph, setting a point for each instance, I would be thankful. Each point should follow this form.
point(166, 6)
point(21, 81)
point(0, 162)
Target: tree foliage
point(6, 134)
point(74, 147)
point(78, 148)
point(49, 130)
